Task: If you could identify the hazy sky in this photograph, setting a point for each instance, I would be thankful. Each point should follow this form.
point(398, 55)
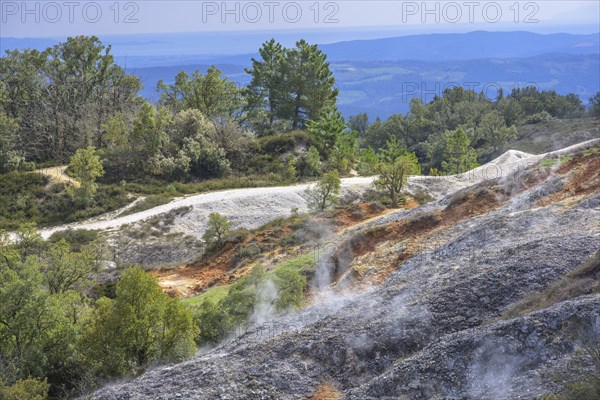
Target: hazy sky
point(70, 17)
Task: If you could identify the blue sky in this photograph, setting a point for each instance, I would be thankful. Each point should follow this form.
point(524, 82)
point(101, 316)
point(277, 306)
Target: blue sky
point(62, 18)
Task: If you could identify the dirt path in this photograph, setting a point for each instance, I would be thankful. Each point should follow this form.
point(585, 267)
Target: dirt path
point(58, 175)
point(255, 206)
point(252, 202)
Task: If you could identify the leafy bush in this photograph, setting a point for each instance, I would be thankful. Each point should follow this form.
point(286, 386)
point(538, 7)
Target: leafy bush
point(224, 308)
point(25, 197)
point(291, 284)
point(423, 197)
point(76, 238)
point(543, 116)
point(243, 297)
point(19, 195)
point(61, 207)
point(394, 176)
point(213, 322)
point(278, 144)
point(25, 389)
point(218, 227)
point(142, 325)
point(313, 165)
point(325, 193)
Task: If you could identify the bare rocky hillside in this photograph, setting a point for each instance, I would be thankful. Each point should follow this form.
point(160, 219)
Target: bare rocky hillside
point(487, 293)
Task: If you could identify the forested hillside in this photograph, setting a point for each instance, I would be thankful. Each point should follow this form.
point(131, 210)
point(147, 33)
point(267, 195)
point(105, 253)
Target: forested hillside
point(280, 128)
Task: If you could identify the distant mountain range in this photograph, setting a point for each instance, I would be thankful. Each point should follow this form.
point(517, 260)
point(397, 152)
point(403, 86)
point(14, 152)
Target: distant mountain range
point(463, 46)
point(380, 76)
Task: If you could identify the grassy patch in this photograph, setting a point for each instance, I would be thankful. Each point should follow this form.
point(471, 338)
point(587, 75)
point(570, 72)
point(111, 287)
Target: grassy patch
point(26, 198)
point(214, 294)
point(423, 198)
point(177, 189)
point(591, 152)
point(550, 162)
point(303, 264)
point(583, 280)
point(147, 203)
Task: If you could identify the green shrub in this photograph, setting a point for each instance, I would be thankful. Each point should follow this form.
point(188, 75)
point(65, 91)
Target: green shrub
point(291, 284)
point(142, 325)
point(223, 308)
point(213, 322)
point(75, 238)
point(218, 227)
point(19, 198)
point(423, 198)
point(550, 161)
point(25, 389)
point(543, 116)
point(278, 144)
point(147, 203)
point(325, 193)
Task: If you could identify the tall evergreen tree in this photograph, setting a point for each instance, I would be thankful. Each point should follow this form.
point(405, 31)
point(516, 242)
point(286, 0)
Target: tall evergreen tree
point(265, 94)
point(595, 105)
point(289, 86)
point(459, 156)
point(311, 83)
point(327, 127)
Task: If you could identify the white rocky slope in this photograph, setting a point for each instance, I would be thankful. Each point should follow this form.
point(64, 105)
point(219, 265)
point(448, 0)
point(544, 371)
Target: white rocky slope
point(250, 208)
point(438, 327)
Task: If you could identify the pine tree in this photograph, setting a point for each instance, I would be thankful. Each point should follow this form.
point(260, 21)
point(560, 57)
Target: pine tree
point(327, 127)
point(458, 156)
point(311, 83)
point(595, 105)
point(265, 94)
point(289, 86)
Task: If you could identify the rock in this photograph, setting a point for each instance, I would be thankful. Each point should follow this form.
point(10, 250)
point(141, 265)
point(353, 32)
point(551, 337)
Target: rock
point(435, 329)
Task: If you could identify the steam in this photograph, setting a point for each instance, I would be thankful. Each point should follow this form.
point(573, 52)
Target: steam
point(264, 310)
point(324, 267)
point(492, 369)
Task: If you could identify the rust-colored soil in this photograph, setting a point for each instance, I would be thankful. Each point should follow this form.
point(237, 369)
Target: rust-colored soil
point(236, 259)
point(584, 179)
point(231, 261)
point(326, 391)
point(414, 232)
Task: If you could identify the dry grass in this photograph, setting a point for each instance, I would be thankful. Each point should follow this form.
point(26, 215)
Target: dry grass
point(583, 280)
point(58, 175)
point(326, 391)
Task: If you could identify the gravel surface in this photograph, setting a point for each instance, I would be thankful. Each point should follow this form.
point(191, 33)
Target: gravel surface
point(250, 208)
point(246, 207)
